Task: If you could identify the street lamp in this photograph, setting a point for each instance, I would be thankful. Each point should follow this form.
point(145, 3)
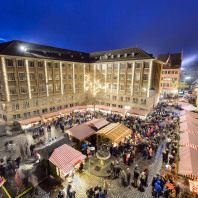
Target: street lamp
point(22, 48)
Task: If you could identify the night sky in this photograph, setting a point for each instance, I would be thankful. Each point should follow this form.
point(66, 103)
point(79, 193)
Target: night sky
point(159, 26)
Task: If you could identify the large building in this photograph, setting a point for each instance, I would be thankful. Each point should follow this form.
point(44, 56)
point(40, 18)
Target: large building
point(171, 72)
point(38, 79)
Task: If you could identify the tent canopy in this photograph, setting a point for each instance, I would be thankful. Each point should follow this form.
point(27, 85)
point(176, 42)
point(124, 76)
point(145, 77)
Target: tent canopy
point(189, 127)
point(189, 139)
point(186, 118)
point(115, 132)
point(98, 123)
point(188, 162)
point(81, 131)
point(189, 113)
point(138, 112)
point(30, 120)
point(66, 157)
point(46, 150)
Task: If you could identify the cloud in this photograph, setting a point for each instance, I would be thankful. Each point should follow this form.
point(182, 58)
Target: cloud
point(3, 40)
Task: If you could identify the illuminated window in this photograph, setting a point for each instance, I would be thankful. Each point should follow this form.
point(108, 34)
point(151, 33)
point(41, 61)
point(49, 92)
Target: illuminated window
point(58, 87)
point(23, 90)
point(122, 66)
point(56, 65)
point(20, 63)
point(31, 63)
point(40, 64)
point(138, 65)
point(57, 76)
point(33, 89)
point(22, 76)
point(116, 66)
point(10, 77)
point(122, 76)
point(9, 62)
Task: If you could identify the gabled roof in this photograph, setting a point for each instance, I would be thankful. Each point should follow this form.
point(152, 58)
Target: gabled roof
point(98, 123)
point(13, 48)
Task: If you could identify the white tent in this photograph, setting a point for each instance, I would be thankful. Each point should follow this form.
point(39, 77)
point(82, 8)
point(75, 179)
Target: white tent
point(190, 108)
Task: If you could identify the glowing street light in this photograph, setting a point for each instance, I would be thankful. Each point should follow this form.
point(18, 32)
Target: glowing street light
point(22, 48)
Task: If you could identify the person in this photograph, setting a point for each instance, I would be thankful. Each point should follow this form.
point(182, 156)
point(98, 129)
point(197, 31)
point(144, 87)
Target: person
point(105, 187)
point(177, 189)
point(146, 170)
point(60, 194)
point(81, 167)
point(155, 178)
point(17, 160)
point(117, 170)
point(90, 192)
point(136, 175)
point(123, 178)
point(166, 192)
point(128, 175)
point(68, 190)
point(142, 180)
point(158, 189)
point(113, 169)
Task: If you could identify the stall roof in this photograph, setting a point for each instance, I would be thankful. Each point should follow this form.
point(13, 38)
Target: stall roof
point(119, 110)
point(189, 119)
point(115, 132)
point(30, 120)
point(188, 162)
point(189, 139)
point(189, 127)
point(46, 150)
point(66, 157)
point(190, 108)
point(98, 123)
point(81, 131)
point(138, 112)
point(189, 113)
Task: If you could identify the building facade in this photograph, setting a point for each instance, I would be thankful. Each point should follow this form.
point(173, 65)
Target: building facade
point(37, 79)
point(171, 71)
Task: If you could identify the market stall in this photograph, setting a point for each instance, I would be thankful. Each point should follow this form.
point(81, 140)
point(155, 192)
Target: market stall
point(188, 113)
point(186, 118)
point(138, 112)
point(30, 122)
point(189, 139)
point(189, 127)
point(97, 123)
point(65, 158)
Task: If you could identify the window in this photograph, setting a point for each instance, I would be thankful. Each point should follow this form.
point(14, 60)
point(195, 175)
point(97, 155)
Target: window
point(122, 66)
point(65, 98)
point(165, 72)
point(11, 77)
point(70, 86)
point(135, 100)
point(64, 76)
point(35, 103)
point(121, 87)
point(137, 77)
point(146, 65)
point(51, 100)
point(176, 72)
point(114, 86)
point(33, 89)
point(22, 76)
point(129, 65)
point(169, 72)
point(113, 105)
point(17, 116)
point(59, 107)
point(43, 88)
point(63, 66)
point(108, 76)
point(75, 76)
point(65, 86)
point(144, 89)
point(3, 106)
point(167, 84)
point(52, 109)
point(175, 79)
point(59, 100)
point(143, 101)
point(58, 87)
point(97, 67)
point(121, 98)
point(70, 66)
point(77, 97)
point(162, 78)
point(71, 98)
point(109, 86)
point(127, 99)
point(20, 63)
point(109, 66)
point(50, 76)
point(71, 105)
point(103, 66)
point(49, 64)
point(15, 106)
point(40, 64)
point(129, 77)
point(122, 76)
point(75, 66)
point(69, 76)
point(107, 97)
point(81, 76)
point(103, 76)
point(173, 72)
point(36, 112)
point(23, 90)
point(138, 65)
point(50, 88)
point(116, 66)
point(136, 88)
point(145, 77)
point(81, 67)
point(26, 105)
point(115, 76)
point(57, 76)
point(114, 98)
point(27, 115)
point(65, 106)
point(168, 78)
point(76, 85)
point(9, 62)
point(44, 110)
point(108, 104)
point(164, 84)
point(162, 72)
point(56, 65)
point(41, 76)
point(31, 63)
point(32, 76)
point(13, 91)
point(128, 88)
point(120, 106)
point(44, 101)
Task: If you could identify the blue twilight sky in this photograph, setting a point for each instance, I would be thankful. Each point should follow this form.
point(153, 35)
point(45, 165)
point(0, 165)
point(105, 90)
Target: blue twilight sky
point(156, 26)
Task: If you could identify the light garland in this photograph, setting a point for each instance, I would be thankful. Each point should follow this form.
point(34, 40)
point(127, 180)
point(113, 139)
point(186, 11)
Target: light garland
point(28, 78)
point(5, 79)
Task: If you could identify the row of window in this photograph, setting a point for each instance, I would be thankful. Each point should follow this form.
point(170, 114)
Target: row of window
point(166, 78)
point(37, 112)
point(122, 66)
point(168, 85)
point(21, 63)
point(169, 72)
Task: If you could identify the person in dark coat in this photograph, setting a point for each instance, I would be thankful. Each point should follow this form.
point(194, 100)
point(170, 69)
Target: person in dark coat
point(117, 170)
point(136, 175)
point(177, 190)
point(90, 192)
point(128, 175)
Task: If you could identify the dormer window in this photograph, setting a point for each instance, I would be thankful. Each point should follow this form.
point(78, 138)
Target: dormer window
point(100, 57)
point(96, 57)
point(118, 55)
point(72, 56)
point(133, 54)
point(125, 55)
point(59, 54)
point(112, 56)
point(105, 56)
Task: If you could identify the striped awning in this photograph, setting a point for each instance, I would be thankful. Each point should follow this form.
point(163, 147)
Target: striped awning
point(189, 113)
point(189, 139)
point(186, 118)
point(65, 157)
point(138, 112)
point(30, 120)
point(189, 127)
point(188, 159)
